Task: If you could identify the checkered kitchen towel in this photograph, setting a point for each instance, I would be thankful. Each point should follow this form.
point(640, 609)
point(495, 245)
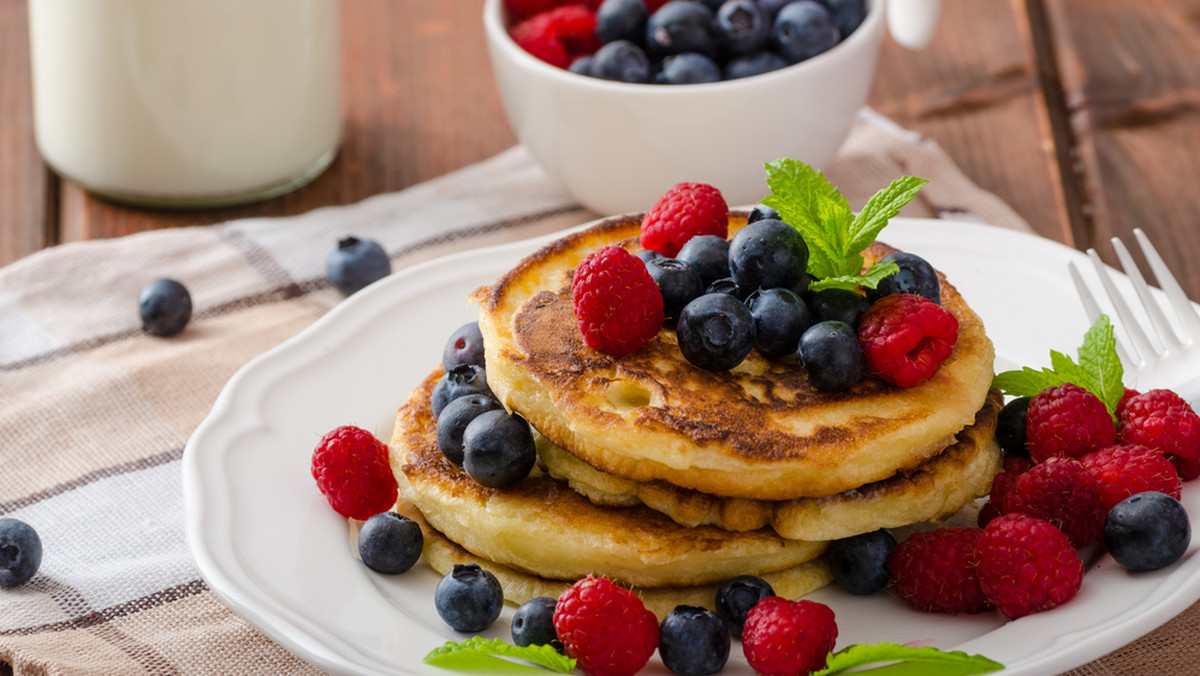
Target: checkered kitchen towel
point(94, 414)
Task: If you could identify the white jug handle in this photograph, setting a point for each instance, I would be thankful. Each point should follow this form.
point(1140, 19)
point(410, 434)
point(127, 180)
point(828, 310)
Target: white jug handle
point(912, 22)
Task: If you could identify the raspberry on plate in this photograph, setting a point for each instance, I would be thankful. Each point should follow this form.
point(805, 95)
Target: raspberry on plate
point(788, 637)
point(906, 337)
point(606, 628)
point(684, 211)
point(351, 469)
point(1063, 492)
point(1067, 420)
point(617, 303)
point(1125, 470)
point(935, 571)
point(1162, 421)
point(1026, 565)
point(1014, 467)
point(559, 35)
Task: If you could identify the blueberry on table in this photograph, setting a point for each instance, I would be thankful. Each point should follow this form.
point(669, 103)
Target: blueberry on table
point(831, 356)
point(165, 307)
point(533, 622)
point(803, 29)
point(453, 421)
point(20, 552)
point(859, 562)
point(1147, 531)
point(693, 641)
point(458, 382)
point(464, 346)
point(356, 263)
point(498, 449)
point(468, 598)
point(737, 596)
point(767, 253)
point(715, 331)
point(390, 543)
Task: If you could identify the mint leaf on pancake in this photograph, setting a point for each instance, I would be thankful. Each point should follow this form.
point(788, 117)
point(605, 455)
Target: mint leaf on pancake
point(487, 655)
point(905, 660)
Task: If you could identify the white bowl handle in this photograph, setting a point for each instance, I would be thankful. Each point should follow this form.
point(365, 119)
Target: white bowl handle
point(911, 22)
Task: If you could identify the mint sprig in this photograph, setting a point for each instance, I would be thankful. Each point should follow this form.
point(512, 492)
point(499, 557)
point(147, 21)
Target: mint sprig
point(907, 661)
point(488, 655)
point(836, 237)
point(1097, 369)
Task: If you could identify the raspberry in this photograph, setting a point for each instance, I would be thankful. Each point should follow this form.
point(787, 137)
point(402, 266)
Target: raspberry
point(606, 628)
point(617, 303)
point(1014, 467)
point(1125, 397)
point(906, 337)
point(934, 571)
point(1188, 469)
point(988, 511)
point(1122, 471)
point(1067, 420)
point(1061, 491)
point(684, 211)
point(523, 9)
point(559, 35)
point(1026, 565)
point(351, 468)
point(1162, 421)
point(788, 637)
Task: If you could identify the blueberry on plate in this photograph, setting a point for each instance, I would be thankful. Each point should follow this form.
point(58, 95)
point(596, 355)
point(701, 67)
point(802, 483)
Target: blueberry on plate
point(831, 356)
point(1010, 427)
point(621, 60)
point(693, 641)
point(915, 275)
point(842, 305)
point(727, 286)
point(20, 552)
point(680, 26)
point(356, 263)
point(859, 562)
point(453, 421)
point(498, 449)
point(678, 283)
point(468, 598)
point(165, 307)
point(687, 68)
point(780, 318)
point(737, 596)
point(533, 623)
point(647, 255)
point(708, 255)
point(1147, 531)
point(766, 254)
point(464, 346)
point(390, 543)
point(762, 211)
point(715, 331)
point(458, 382)
point(803, 29)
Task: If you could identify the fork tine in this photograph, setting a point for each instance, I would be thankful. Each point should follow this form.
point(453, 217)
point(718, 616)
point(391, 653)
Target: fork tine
point(1092, 310)
point(1141, 344)
point(1166, 334)
point(1175, 293)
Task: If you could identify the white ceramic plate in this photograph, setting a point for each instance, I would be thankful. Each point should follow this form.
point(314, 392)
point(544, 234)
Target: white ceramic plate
point(266, 541)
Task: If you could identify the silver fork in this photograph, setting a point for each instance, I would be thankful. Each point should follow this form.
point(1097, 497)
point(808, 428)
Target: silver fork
point(1170, 359)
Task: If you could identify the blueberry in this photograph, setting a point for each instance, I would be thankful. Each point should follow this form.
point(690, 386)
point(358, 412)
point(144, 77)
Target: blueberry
point(715, 331)
point(356, 263)
point(842, 305)
point(20, 552)
point(688, 68)
point(458, 382)
point(767, 253)
point(621, 20)
point(165, 307)
point(803, 29)
point(726, 285)
point(680, 26)
point(533, 623)
point(498, 449)
point(916, 275)
point(831, 356)
point(453, 422)
point(648, 255)
point(464, 346)
point(771, 7)
point(708, 255)
point(1010, 427)
point(780, 318)
point(859, 563)
point(622, 61)
point(390, 543)
point(693, 641)
point(740, 27)
point(755, 63)
point(581, 66)
point(847, 14)
point(1147, 531)
point(678, 283)
point(737, 596)
point(468, 598)
point(762, 211)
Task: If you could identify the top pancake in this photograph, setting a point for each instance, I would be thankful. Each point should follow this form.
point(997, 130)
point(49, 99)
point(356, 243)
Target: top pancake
point(759, 430)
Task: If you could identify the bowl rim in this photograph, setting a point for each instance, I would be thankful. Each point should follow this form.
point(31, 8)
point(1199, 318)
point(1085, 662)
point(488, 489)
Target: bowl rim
point(494, 15)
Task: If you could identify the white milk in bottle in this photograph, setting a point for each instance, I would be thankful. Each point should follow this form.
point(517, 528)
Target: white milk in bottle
point(186, 102)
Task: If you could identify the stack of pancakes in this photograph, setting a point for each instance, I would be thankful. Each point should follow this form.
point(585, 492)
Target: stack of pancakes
point(672, 479)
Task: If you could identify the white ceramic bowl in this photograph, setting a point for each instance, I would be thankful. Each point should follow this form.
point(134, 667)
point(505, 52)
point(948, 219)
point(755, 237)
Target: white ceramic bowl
point(617, 146)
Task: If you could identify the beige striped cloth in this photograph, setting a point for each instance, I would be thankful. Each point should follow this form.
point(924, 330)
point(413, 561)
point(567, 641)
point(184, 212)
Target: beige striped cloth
point(94, 413)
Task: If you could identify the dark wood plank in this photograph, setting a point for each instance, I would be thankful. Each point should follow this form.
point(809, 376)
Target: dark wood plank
point(25, 186)
point(975, 89)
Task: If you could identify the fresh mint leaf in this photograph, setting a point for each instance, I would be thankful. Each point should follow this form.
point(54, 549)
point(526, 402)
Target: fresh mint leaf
point(871, 279)
point(1026, 382)
point(487, 655)
point(907, 661)
point(882, 207)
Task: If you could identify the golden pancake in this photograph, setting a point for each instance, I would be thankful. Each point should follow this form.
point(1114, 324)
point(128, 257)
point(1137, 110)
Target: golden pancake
point(441, 554)
point(541, 526)
point(937, 488)
point(758, 431)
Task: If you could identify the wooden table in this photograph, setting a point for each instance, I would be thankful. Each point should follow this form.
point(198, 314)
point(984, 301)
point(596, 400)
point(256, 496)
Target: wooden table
point(1083, 115)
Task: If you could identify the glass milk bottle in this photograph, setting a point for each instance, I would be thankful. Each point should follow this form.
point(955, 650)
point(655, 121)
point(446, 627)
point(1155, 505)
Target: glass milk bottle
point(186, 103)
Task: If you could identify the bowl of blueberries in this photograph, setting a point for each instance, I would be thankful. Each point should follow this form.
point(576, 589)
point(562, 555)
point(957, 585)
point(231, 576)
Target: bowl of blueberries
point(618, 100)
